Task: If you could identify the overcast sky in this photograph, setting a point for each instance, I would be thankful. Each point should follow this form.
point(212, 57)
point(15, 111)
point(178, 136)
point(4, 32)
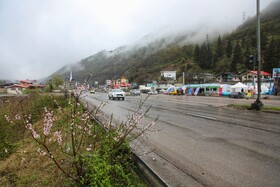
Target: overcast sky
point(39, 37)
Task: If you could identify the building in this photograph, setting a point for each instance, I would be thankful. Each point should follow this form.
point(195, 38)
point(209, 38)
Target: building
point(250, 76)
point(108, 82)
point(227, 77)
point(168, 74)
point(23, 85)
point(120, 83)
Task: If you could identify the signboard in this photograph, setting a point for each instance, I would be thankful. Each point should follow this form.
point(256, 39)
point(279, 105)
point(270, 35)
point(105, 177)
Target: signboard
point(276, 72)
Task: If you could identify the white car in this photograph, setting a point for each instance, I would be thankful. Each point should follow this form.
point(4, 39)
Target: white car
point(152, 92)
point(135, 92)
point(116, 94)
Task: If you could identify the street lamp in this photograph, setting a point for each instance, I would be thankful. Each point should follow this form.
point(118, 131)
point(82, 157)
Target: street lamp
point(257, 105)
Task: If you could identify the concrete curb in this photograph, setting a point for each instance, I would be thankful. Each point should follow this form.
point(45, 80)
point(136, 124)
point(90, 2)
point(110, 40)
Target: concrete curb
point(147, 174)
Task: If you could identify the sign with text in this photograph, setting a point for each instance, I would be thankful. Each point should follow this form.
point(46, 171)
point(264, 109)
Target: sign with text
point(276, 72)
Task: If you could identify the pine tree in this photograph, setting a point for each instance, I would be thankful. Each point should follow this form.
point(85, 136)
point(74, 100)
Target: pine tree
point(220, 49)
point(229, 49)
point(272, 56)
point(246, 58)
point(197, 55)
point(209, 63)
point(237, 58)
point(203, 51)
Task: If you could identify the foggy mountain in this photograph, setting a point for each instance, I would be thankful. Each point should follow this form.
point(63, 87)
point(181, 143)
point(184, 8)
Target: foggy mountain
point(142, 62)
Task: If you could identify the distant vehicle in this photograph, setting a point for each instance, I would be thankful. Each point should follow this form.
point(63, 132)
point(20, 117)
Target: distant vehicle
point(116, 94)
point(135, 92)
point(152, 92)
point(162, 91)
point(237, 95)
point(92, 91)
point(173, 92)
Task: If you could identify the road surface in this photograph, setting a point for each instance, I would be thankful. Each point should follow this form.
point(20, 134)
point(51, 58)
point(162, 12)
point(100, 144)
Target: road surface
point(199, 141)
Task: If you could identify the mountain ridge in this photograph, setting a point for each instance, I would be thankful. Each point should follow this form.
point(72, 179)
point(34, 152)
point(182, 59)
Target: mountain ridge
point(142, 62)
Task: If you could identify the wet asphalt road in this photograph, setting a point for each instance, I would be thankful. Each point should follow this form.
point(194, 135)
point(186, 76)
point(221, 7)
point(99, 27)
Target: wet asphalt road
point(199, 141)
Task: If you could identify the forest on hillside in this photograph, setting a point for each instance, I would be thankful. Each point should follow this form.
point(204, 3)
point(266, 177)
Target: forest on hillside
point(232, 52)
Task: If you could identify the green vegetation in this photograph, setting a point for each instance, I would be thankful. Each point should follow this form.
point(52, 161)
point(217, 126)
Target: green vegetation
point(248, 106)
point(54, 83)
point(51, 141)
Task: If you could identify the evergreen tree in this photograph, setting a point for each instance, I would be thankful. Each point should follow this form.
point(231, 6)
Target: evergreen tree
point(209, 63)
point(263, 42)
point(237, 58)
point(272, 56)
point(246, 58)
point(220, 48)
point(203, 56)
point(219, 51)
point(229, 48)
point(197, 55)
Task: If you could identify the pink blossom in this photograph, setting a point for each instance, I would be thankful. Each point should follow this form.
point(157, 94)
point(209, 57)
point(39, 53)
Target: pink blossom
point(17, 117)
point(7, 118)
point(28, 126)
point(58, 136)
point(33, 132)
point(48, 122)
point(41, 152)
point(35, 135)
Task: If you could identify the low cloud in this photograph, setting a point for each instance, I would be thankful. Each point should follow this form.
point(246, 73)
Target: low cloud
point(39, 37)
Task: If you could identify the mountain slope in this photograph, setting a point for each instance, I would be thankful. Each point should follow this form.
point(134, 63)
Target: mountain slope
point(142, 62)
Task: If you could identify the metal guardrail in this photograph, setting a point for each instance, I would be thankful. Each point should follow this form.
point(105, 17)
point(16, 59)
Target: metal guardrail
point(149, 177)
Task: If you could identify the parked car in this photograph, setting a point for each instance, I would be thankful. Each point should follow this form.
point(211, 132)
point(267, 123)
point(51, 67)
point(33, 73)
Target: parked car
point(135, 92)
point(116, 94)
point(162, 91)
point(237, 95)
point(92, 92)
point(152, 92)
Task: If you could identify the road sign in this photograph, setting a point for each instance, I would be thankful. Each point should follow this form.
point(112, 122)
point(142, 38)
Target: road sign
point(276, 72)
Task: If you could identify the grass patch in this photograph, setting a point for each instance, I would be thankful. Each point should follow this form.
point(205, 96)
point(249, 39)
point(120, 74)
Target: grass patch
point(101, 160)
point(248, 106)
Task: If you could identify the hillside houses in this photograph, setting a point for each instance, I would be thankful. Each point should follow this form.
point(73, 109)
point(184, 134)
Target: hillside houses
point(250, 76)
point(19, 88)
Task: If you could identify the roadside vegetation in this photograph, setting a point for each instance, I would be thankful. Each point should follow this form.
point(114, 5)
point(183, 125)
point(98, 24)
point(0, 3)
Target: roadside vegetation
point(51, 140)
point(248, 106)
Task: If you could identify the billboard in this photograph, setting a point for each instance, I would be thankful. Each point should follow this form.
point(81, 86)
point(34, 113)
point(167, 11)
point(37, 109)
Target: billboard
point(275, 72)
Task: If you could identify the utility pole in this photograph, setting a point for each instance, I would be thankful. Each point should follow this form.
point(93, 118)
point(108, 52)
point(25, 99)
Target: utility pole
point(257, 105)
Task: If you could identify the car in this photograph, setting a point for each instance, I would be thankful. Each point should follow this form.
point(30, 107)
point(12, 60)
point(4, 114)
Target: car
point(152, 92)
point(237, 95)
point(92, 92)
point(162, 91)
point(135, 92)
point(116, 94)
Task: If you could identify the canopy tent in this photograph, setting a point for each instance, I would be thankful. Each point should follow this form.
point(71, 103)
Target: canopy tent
point(171, 89)
point(238, 87)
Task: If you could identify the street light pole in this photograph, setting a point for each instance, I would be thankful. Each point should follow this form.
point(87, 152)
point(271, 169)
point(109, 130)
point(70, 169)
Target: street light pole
point(257, 105)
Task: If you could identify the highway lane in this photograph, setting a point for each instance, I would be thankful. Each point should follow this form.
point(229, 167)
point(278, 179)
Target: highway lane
point(198, 141)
